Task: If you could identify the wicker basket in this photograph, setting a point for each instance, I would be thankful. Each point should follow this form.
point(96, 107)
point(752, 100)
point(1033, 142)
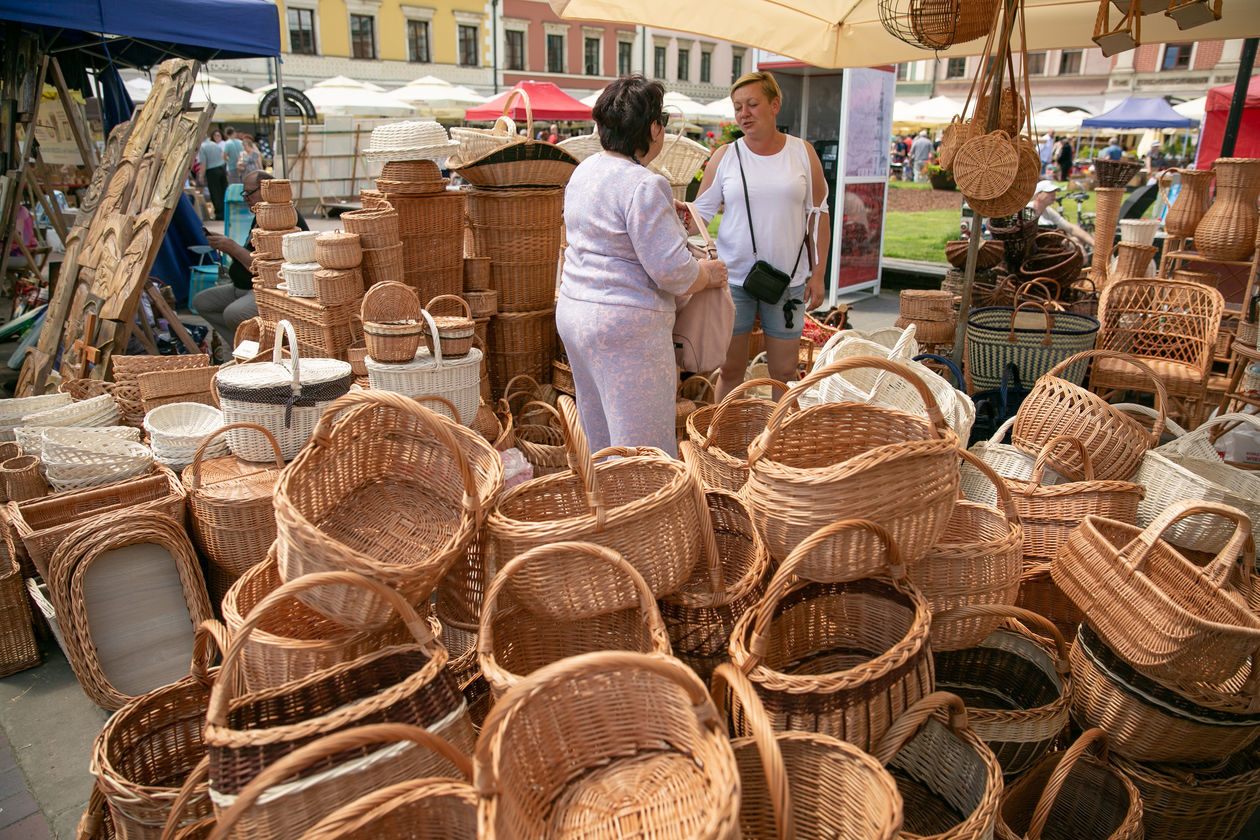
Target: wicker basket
point(22, 478)
point(18, 648)
point(299, 279)
point(73, 459)
point(376, 226)
point(865, 640)
point(1195, 802)
point(424, 482)
point(269, 244)
point(477, 274)
point(456, 331)
point(12, 411)
point(522, 164)
point(96, 411)
point(1158, 611)
point(337, 286)
point(568, 753)
point(322, 331)
point(276, 215)
point(989, 254)
point(299, 247)
point(453, 382)
point(948, 778)
point(474, 142)
point(844, 460)
point(985, 166)
point(521, 231)
point(1029, 336)
point(391, 322)
point(276, 190)
point(1080, 796)
point(522, 343)
point(338, 250)
point(181, 426)
point(926, 305)
point(1115, 173)
point(266, 272)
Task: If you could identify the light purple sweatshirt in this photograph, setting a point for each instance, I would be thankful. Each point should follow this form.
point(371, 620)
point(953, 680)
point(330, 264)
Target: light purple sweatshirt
point(626, 244)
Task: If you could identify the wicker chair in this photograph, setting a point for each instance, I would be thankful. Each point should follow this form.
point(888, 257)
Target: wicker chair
point(1171, 325)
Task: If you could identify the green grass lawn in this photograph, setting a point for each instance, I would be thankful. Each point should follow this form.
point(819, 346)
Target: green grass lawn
point(919, 236)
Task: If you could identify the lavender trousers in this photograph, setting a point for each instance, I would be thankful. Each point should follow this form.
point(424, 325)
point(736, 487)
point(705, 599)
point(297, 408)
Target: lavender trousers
point(623, 372)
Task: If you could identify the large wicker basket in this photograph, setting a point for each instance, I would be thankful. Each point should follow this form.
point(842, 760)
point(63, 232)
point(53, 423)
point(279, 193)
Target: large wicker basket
point(720, 434)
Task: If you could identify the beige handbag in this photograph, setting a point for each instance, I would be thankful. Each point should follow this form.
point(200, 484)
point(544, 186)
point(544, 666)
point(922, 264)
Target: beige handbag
point(704, 321)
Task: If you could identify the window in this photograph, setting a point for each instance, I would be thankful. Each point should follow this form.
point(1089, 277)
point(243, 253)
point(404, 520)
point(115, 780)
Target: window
point(1176, 57)
point(363, 36)
point(706, 67)
point(418, 41)
point(468, 56)
point(555, 53)
point(658, 62)
point(1071, 63)
point(625, 51)
point(1036, 64)
point(956, 68)
point(737, 66)
point(684, 65)
point(302, 31)
point(590, 56)
point(514, 49)
point(903, 72)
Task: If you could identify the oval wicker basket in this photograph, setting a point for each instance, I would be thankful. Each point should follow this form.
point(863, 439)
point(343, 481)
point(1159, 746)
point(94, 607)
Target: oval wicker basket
point(276, 216)
point(338, 249)
point(299, 247)
point(391, 322)
point(299, 279)
point(276, 190)
point(455, 331)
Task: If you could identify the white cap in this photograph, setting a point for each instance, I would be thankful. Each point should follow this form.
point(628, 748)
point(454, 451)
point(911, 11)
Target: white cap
point(923, 132)
point(1046, 186)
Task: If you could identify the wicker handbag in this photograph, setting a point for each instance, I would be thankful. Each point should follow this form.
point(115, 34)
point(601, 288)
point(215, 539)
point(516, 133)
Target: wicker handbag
point(389, 489)
point(865, 640)
point(1017, 688)
point(645, 506)
point(1196, 802)
point(977, 560)
point(582, 745)
point(841, 460)
point(284, 398)
point(1029, 336)
point(949, 779)
point(1154, 608)
point(1076, 795)
point(514, 642)
point(797, 783)
point(229, 505)
point(1114, 440)
point(720, 434)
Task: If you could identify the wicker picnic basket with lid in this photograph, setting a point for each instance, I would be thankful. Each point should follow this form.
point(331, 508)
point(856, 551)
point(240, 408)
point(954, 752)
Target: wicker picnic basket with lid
point(1029, 336)
point(949, 780)
point(1155, 609)
point(513, 642)
point(391, 322)
point(338, 249)
point(1017, 688)
point(847, 460)
point(720, 435)
point(976, 560)
point(284, 397)
point(581, 745)
point(1071, 794)
point(148, 747)
point(453, 383)
point(1150, 720)
point(645, 506)
point(1195, 802)
point(801, 781)
point(276, 189)
point(1115, 441)
point(455, 331)
point(423, 483)
point(843, 658)
point(701, 615)
point(402, 683)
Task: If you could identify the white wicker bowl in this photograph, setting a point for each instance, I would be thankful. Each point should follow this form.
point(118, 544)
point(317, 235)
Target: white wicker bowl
point(98, 411)
point(31, 438)
point(12, 411)
point(299, 247)
point(181, 425)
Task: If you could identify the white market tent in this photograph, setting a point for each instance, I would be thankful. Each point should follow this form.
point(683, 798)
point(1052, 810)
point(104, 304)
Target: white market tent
point(1056, 119)
point(1195, 109)
point(589, 101)
point(434, 97)
point(342, 96)
point(936, 111)
point(724, 107)
point(231, 103)
point(692, 111)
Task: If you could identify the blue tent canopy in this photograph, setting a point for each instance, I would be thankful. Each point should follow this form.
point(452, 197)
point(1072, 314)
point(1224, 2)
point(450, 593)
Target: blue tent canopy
point(1138, 112)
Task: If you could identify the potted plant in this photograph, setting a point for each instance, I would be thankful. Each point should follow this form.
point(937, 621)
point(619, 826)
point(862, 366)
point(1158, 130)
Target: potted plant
point(942, 179)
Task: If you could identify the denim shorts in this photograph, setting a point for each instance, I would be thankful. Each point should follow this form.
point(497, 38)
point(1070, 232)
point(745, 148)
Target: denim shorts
point(773, 322)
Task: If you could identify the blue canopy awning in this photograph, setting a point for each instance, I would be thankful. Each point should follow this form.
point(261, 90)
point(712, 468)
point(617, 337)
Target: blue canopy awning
point(1138, 112)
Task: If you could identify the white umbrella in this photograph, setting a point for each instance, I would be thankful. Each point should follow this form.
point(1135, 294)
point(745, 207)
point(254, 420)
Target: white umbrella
point(1195, 109)
point(341, 96)
point(724, 108)
point(936, 111)
point(437, 97)
point(1056, 119)
point(231, 103)
point(692, 111)
point(589, 101)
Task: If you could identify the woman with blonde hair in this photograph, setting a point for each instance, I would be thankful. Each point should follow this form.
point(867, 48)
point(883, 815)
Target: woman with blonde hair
point(772, 187)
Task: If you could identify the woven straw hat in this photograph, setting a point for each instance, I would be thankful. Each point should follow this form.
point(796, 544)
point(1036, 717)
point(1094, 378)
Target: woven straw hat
point(410, 140)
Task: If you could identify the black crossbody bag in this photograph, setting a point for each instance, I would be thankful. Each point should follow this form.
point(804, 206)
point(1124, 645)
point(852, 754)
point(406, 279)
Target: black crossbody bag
point(765, 282)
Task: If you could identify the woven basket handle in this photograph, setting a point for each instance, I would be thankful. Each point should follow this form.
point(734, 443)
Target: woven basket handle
point(1161, 393)
point(1171, 427)
point(508, 391)
point(1062, 770)
point(284, 330)
point(1045, 310)
point(727, 676)
point(529, 111)
point(912, 720)
point(1002, 430)
point(488, 753)
point(724, 405)
point(216, 713)
point(1039, 466)
point(707, 386)
point(463, 303)
point(1221, 566)
point(700, 496)
point(437, 339)
point(322, 748)
point(1005, 500)
point(785, 580)
point(188, 791)
point(435, 423)
point(205, 444)
point(761, 443)
point(211, 636)
point(650, 612)
point(1204, 431)
point(1037, 622)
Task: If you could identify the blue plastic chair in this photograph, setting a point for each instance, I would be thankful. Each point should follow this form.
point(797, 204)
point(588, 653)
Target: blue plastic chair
point(204, 275)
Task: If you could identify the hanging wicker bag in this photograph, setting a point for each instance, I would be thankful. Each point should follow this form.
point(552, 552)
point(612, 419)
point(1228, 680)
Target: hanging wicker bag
point(1073, 794)
point(285, 398)
point(578, 747)
point(841, 460)
point(338, 249)
point(985, 166)
point(1057, 406)
point(391, 322)
point(949, 779)
point(455, 331)
point(720, 435)
point(1155, 609)
point(842, 658)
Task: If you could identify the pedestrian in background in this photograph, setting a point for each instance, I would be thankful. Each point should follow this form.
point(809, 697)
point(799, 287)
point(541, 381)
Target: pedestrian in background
point(213, 172)
point(1065, 159)
point(231, 154)
point(920, 154)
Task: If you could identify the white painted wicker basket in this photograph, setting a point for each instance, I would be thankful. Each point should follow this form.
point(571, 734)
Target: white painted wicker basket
point(429, 374)
point(12, 411)
point(299, 247)
point(299, 278)
point(97, 411)
point(31, 438)
point(176, 430)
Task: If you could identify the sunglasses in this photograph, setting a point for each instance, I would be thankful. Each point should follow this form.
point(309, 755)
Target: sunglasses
point(663, 119)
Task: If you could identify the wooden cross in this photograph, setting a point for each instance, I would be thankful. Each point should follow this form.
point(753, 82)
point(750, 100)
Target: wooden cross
point(88, 352)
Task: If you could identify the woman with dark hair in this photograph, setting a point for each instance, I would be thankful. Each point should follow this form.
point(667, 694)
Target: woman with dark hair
point(626, 261)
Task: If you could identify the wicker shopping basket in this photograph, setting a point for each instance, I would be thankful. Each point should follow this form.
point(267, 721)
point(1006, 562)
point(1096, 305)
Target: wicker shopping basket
point(1196, 802)
point(583, 745)
point(1155, 609)
point(841, 658)
point(720, 435)
point(848, 460)
point(514, 642)
point(1029, 336)
point(387, 488)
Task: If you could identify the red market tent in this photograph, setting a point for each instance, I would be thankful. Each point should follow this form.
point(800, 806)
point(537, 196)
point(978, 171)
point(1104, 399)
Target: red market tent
point(1216, 110)
point(546, 100)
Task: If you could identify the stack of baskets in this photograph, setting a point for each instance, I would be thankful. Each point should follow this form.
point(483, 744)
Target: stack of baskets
point(430, 223)
point(377, 227)
point(483, 302)
point(338, 281)
point(933, 315)
point(276, 218)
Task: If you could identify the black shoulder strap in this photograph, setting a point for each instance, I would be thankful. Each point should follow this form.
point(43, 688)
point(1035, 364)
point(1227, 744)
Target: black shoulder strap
point(747, 203)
